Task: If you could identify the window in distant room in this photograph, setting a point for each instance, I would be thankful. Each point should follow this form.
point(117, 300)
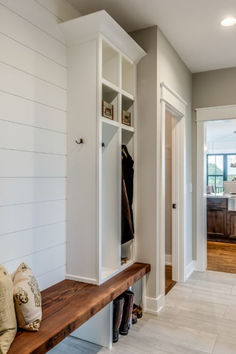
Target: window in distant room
point(220, 168)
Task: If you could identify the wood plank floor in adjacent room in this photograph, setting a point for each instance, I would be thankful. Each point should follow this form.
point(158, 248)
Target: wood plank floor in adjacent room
point(169, 282)
point(199, 317)
point(221, 257)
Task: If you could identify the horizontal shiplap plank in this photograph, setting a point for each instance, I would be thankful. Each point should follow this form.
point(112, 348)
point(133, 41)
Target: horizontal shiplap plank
point(23, 111)
point(48, 279)
point(21, 137)
point(31, 241)
point(29, 190)
point(24, 32)
point(21, 84)
point(31, 11)
point(23, 58)
point(60, 8)
point(41, 262)
point(26, 216)
point(27, 164)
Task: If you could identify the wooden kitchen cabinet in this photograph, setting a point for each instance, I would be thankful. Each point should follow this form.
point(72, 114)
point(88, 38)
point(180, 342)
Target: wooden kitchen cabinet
point(231, 225)
point(216, 218)
point(221, 223)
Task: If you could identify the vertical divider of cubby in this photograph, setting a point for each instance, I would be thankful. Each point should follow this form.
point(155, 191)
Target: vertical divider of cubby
point(99, 160)
point(120, 161)
point(135, 117)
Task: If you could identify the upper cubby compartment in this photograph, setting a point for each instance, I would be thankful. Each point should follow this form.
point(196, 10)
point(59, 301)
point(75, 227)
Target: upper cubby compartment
point(128, 76)
point(127, 111)
point(110, 64)
point(109, 103)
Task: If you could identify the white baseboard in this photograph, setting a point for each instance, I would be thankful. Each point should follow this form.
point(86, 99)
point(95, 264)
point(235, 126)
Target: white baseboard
point(154, 305)
point(199, 267)
point(189, 269)
point(168, 259)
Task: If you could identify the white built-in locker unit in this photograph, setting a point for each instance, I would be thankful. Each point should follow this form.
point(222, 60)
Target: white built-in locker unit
point(102, 60)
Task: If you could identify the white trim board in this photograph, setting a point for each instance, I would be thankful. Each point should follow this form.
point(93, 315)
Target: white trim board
point(172, 102)
point(154, 305)
point(216, 113)
point(85, 27)
point(189, 269)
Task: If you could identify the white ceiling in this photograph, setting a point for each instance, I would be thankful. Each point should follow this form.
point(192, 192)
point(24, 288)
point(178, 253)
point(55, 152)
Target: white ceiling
point(221, 131)
point(192, 26)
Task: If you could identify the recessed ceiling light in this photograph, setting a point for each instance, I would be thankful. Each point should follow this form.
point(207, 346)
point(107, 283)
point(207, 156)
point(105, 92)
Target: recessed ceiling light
point(228, 21)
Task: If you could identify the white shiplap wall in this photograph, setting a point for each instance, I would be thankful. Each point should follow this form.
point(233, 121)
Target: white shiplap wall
point(33, 103)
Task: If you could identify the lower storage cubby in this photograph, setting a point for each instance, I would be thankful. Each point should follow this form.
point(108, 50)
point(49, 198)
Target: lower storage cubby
point(126, 313)
point(114, 320)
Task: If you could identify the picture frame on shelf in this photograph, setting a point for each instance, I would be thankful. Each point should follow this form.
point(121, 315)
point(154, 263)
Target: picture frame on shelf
point(126, 118)
point(107, 110)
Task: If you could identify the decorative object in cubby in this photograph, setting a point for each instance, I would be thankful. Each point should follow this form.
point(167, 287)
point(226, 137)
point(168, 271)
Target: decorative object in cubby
point(126, 118)
point(107, 110)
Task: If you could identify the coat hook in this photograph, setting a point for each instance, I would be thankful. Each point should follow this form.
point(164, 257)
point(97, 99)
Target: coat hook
point(80, 141)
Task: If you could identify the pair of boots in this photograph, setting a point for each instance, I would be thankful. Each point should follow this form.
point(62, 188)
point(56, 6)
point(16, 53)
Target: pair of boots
point(122, 311)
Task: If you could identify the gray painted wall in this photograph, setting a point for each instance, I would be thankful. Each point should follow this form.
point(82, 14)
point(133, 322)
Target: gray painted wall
point(172, 70)
point(146, 229)
point(162, 63)
point(214, 88)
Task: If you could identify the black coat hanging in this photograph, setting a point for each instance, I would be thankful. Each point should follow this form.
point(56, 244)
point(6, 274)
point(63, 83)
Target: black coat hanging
point(127, 196)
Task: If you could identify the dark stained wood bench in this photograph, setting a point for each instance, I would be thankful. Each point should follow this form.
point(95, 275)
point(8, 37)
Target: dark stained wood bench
point(69, 304)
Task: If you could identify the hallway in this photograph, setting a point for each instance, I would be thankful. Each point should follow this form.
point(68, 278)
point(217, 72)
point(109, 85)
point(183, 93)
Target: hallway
point(199, 317)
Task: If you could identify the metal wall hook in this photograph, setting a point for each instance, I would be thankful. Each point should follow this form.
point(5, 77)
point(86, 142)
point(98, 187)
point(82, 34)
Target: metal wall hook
point(80, 141)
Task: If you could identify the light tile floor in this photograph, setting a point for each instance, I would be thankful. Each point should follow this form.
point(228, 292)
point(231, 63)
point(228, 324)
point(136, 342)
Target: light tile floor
point(199, 317)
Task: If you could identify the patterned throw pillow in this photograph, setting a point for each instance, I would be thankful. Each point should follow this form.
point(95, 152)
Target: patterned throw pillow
point(8, 324)
point(27, 299)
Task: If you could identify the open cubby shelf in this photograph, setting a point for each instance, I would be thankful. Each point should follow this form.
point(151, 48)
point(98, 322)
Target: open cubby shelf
point(110, 122)
point(110, 64)
point(111, 96)
point(120, 92)
point(128, 76)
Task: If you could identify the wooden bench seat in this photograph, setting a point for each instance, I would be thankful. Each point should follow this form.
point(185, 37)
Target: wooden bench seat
point(69, 304)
